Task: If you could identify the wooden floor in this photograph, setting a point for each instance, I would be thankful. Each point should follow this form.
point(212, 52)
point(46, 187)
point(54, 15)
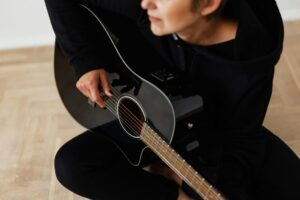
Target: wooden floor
point(34, 123)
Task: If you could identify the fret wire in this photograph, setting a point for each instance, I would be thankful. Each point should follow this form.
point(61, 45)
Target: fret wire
point(168, 153)
point(154, 137)
point(190, 175)
point(164, 151)
point(192, 181)
point(207, 193)
point(159, 144)
point(183, 165)
point(162, 142)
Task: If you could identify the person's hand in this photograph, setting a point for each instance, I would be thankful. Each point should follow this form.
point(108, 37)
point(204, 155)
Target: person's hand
point(88, 84)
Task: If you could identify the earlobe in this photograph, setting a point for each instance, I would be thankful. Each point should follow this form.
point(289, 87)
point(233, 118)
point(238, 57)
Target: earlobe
point(209, 6)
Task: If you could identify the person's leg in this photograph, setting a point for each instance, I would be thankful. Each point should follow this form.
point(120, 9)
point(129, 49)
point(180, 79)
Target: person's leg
point(241, 159)
point(279, 178)
point(222, 162)
point(233, 175)
point(92, 166)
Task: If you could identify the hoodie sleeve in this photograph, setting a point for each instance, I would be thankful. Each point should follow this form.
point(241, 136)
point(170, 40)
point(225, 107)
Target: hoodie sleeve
point(78, 34)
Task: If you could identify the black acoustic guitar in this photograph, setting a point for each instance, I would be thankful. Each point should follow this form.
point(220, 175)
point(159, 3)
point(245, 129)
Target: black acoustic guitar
point(149, 98)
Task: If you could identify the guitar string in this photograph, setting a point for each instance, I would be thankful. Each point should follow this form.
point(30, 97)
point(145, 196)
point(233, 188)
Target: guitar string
point(188, 172)
point(136, 133)
point(204, 187)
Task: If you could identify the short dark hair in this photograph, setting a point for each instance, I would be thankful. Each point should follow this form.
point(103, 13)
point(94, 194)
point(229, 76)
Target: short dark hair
point(218, 12)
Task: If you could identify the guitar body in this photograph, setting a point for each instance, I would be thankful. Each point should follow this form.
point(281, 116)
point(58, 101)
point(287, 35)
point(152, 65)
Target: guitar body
point(150, 88)
point(154, 105)
point(149, 99)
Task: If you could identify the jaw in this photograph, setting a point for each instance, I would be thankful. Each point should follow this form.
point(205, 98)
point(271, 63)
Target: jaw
point(158, 29)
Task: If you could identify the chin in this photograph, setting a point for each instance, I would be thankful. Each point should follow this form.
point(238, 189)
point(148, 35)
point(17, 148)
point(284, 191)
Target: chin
point(157, 31)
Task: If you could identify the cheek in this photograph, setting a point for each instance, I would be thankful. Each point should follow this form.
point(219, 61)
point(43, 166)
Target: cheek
point(172, 20)
point(175, 23)
point(166, 25)
point(178, 17)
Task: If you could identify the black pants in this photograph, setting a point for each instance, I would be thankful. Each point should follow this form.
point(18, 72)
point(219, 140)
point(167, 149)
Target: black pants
point(91, 166)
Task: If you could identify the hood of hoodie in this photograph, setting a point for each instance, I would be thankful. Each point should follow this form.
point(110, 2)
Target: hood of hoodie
point(258, 42)
point(236, 91)
point(259, 38)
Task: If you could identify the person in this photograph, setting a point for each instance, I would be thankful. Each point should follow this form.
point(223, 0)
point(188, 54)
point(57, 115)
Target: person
point(230, 48)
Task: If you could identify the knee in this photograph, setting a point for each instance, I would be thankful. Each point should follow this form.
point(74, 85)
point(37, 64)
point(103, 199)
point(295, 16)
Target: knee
point(64, 167)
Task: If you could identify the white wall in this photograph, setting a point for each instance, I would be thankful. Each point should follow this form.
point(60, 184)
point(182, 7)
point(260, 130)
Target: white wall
point(25, 22)
point(290, 9)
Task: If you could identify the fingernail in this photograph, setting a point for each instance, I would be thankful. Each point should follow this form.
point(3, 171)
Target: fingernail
point(109, 94)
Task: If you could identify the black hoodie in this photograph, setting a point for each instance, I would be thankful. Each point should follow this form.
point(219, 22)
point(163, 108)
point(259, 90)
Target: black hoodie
point(236, 89)
point(234, 78)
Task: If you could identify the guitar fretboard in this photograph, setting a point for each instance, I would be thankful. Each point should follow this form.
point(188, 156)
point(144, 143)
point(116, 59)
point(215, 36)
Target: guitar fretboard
point(178, 164)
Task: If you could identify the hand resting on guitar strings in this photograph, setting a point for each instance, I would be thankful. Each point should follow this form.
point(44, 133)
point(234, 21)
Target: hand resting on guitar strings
point(88, 85)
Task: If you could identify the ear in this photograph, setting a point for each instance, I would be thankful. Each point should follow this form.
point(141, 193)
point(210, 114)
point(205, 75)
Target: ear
point(209, 6)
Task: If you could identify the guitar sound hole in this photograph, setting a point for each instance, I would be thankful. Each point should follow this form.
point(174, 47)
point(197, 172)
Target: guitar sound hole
point(131, 116)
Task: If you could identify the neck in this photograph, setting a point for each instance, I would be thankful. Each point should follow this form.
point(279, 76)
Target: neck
point(209, 32)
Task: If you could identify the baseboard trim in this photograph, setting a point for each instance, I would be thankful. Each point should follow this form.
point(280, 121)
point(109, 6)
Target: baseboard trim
point(14, 43)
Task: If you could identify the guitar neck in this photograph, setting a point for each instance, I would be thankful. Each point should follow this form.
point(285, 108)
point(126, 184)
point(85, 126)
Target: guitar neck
point(178, 164)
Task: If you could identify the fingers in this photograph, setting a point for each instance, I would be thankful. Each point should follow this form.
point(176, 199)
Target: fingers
point(85, 91)
point(104, 83)
point(95, 95)
point(88, 85)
